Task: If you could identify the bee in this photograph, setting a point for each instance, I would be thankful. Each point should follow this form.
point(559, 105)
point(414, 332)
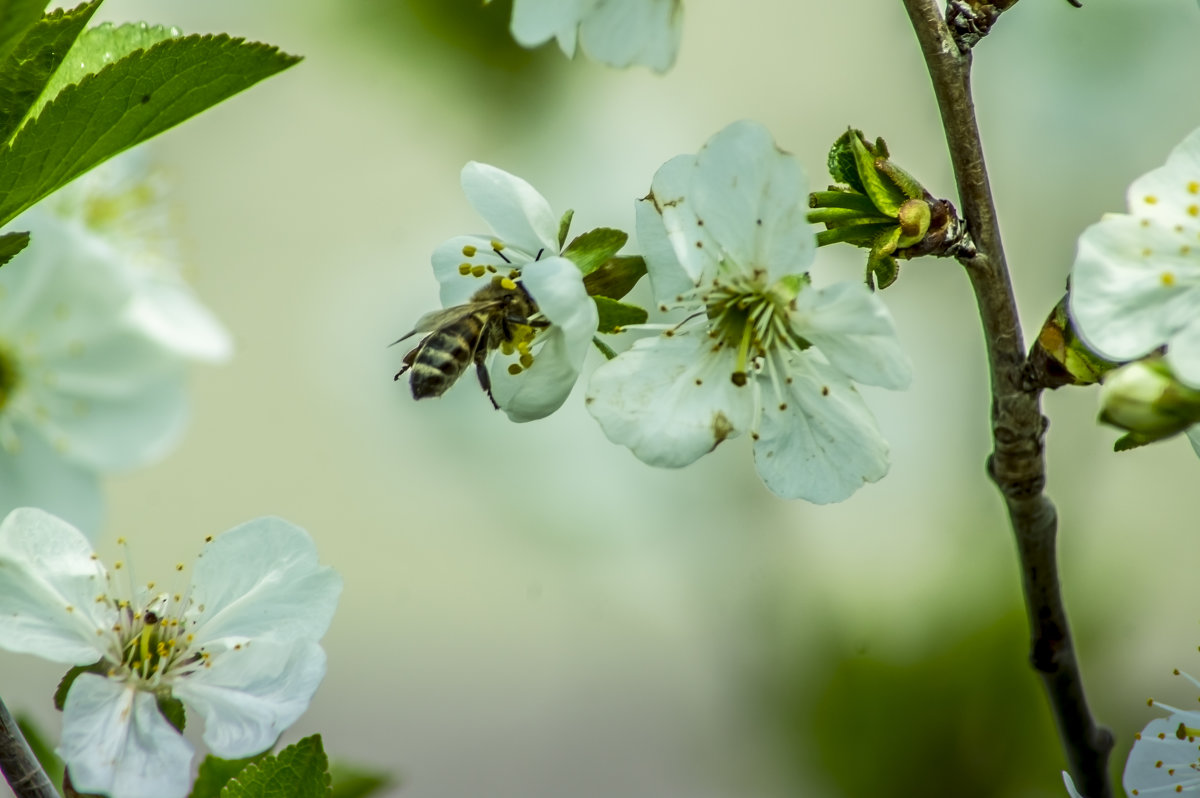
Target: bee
point(467, 333)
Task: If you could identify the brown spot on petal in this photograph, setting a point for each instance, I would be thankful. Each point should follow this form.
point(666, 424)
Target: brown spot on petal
point(721, 428)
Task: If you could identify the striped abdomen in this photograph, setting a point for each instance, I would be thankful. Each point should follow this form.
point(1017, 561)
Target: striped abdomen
point(445, 354)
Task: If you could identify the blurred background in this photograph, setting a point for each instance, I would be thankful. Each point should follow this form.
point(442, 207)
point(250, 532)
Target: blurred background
point(529, 611)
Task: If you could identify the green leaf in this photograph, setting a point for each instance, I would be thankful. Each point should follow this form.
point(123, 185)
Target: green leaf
point(615, 315)
point(355, 782)
point(172, 709)
point(17, 17)
point(298, 771)
point(68, 679)
point(841, 163)
point(124, 104)
point(31, 64)
point(592, 249)
point(215, 773)
point(616, 277)
point(882, 191)
point(564, 227)
point(604, 348)
point(882, 270)
point(98, 47)
point(11, 244)
point(42, 748)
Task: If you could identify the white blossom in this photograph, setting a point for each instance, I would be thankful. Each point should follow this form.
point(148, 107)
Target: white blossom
point(1135, 284)
point(531, 379)
point(238, 647)
point(619, 33)
point(1165, 759)
point(762, 351)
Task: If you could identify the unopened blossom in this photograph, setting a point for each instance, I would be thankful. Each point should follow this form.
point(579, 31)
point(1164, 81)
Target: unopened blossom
point(238, 647)
point(1135, 285)
point(1165, 759)
point(619, 33)
point(532, 377)
point(761, 351)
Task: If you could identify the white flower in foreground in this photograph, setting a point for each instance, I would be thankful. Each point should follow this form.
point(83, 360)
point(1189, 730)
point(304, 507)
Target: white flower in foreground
point(725, 238)
point(239, 647)
point(532, 378)
point(1135, 285)
point(1166, 754)
point(126, 203)
point(615, 32)
point(83, 388)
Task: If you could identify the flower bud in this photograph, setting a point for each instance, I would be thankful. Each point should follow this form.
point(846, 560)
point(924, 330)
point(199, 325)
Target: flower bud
point(1144, 398)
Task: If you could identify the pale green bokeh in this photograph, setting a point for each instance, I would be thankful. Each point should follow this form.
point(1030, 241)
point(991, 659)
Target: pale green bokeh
point(529, 611)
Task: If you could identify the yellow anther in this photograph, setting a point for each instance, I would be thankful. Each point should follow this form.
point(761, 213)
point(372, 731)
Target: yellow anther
point(523, 346)
point(507, 284)
point(1194, 210)
point(1150, 199)
point(1167, 278)
point(1193, 187)
point(70, 608)
point(491, 268)
point(497, 245)
point(468, 251)
point(120, 541)
point(514, 369)
point(464, 269)
point(178, 566)
point(208, 539)
point(478, 271)
point(118, 565)
point(506, 348)
point(1147, 252)
point(526, 359)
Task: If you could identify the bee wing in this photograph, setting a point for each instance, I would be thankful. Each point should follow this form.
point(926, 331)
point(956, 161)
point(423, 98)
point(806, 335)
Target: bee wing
point(440, 318)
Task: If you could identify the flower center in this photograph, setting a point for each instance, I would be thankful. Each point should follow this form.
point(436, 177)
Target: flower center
point(10, 376)
point(155, 642)
point(744, 314)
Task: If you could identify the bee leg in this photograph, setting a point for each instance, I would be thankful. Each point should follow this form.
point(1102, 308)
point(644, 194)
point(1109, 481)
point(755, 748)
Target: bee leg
point(485, 381)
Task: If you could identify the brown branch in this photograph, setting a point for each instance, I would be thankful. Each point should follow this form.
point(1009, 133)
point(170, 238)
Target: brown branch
point(18, 764)
point(1017, 464)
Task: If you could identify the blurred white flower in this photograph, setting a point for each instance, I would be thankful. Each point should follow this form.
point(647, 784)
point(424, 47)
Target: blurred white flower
point(1166, 754)
point(239, 647)
point(126, 203)
point(1135, 285)
point(615, 32)
point(536, 373)
point(725, 237)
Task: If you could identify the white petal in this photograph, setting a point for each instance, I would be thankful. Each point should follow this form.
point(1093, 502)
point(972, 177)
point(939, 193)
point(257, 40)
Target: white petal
point(671, 399)
point(624, 32)
point(35, 474)
point(1070, 785)
point(753, 199)
point(852, 327)
point(457, 288)
point(251, 694)
point(537, 21)
point(823, 443)
point(516, 212)
point(1170, 194)
point(116, 742)
point(1159, 743)
point(262, 579)
point(1133, 286)
point(556, 285)
point(668, 278)
point(171, 314)
point(1193, 435)
point(1183, 352)
point(694, 250)
point(49, 581)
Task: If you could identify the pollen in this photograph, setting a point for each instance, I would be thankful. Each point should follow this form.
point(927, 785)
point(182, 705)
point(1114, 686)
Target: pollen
point(468, 251)
point(507, 284)
point(1167, 278)
point(464, 269)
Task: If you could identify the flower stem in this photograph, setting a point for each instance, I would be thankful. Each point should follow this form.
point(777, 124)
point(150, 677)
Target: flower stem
point(1017, 464)
point(18, 764)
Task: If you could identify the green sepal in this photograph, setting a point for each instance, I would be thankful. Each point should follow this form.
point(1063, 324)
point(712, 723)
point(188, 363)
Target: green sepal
point(68, 679)
point(882, 191)
point(840, 198)
point(11, 244)
point(299, 771)
point(127, 102)
point(914, 218)
point(616, 277)
point(564, 227)
point(98, 47)
point(215, 773)
point(590, 250)
point(42, 749)
point(614, 315)
point(902, 179)
point(356, 782)
point(172, 709)
point(606, 350)
point(860, 235)
point(838, 216)
point(1059, 357)
point(882, 268)
point(31, 64)
point(1132, 440)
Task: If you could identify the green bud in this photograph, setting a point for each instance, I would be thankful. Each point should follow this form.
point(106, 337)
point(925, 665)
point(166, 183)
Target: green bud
point(1145, 399)
point(1059, 357)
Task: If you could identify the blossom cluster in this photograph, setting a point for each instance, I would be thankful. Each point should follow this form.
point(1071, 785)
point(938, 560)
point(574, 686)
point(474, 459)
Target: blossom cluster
point(760, 350)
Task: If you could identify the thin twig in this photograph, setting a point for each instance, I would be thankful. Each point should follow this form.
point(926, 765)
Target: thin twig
point(18, 764)
point(1017, 464)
